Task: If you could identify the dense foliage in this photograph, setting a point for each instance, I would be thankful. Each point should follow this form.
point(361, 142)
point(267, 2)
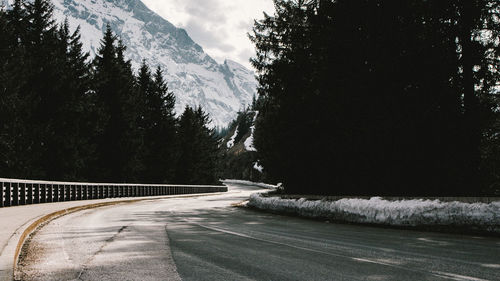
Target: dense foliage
point(380, 97)
point(64, 117)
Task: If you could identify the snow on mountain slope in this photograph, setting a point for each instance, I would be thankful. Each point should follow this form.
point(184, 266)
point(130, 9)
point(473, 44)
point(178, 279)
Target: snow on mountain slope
point(194, 77)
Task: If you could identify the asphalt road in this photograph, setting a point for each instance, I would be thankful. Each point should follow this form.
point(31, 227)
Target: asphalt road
point(204, 238)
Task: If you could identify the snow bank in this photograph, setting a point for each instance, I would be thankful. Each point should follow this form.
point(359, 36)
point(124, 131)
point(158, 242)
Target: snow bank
point(379, 211)
point(259, 184)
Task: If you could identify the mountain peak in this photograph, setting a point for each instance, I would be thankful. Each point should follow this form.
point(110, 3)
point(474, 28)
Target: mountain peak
point(193, 76)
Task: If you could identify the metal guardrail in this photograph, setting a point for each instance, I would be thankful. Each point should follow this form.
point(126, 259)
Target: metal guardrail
point(16, 192)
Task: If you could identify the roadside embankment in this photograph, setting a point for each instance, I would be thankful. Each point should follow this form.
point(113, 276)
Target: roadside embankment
point(409, 212)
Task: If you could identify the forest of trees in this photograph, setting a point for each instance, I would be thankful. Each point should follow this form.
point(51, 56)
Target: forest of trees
point(64, 116)
point(376, 97)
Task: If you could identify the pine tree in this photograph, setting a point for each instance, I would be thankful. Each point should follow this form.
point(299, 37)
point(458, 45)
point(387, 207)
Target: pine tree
point(40, 71)
point(159, 127)
point(118, 143)
point(198, 148)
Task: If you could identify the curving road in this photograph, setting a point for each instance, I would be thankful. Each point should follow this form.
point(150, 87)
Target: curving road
point(204, 238)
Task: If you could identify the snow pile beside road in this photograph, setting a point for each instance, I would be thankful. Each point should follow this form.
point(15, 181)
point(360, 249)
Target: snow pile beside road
point(379, 211)
point(259, 184)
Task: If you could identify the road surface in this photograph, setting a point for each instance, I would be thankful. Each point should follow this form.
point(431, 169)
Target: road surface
point(205, 238)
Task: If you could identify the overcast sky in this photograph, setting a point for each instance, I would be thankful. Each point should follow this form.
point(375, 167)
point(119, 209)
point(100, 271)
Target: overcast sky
point(219, 26)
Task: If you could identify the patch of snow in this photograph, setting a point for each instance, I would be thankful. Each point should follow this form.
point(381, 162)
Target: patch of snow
point(258, 167)
point(249, 141)
point(259, 184)
point(230, 143)
point(398, 213)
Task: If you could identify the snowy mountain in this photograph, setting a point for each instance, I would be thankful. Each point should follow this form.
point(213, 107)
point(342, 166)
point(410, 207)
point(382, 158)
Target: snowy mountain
point(194, 77)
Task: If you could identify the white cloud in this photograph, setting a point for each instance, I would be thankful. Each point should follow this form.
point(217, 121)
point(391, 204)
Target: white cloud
point(219, 26)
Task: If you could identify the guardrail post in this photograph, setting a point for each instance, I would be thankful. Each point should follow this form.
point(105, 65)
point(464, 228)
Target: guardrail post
point(22, 194)
point(15, 194)
point(2, 194)
point(36, 196)
point(100, 194)
point(72, 192)
point(43, 193)
point(8, 194)
point(50, 197)
point(29, 196)
point(80, 192)
point(76, 188)
point(85, 192)
point(62, 192)
point(58, 193)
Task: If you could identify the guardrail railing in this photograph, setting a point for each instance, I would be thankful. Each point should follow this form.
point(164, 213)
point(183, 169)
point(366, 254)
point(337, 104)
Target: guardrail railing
point(16, 192)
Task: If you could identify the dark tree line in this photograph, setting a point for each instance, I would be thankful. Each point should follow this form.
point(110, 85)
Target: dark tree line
point(381, 97)
point(66, 117)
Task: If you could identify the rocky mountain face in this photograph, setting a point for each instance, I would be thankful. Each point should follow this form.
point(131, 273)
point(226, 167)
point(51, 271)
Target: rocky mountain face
point(193, 76)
